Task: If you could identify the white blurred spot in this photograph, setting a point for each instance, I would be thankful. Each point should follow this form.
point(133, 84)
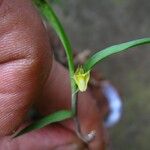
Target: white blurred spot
point(114, 102)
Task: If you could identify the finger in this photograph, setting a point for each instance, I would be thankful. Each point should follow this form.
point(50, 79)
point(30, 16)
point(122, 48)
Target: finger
point(57, 90)
point(57, 96)
point(25, 60)
point(53, 137)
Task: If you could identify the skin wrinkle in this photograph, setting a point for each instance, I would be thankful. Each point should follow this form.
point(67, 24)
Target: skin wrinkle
point(7, 42)
point(18, 61)
point(8, 122)
point(8, 74)
point(23, 64)
point(10, 106)
point(25, 43)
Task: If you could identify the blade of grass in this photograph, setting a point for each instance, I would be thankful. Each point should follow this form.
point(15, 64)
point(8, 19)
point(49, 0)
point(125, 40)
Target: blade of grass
point(52, 118)
point(101, 55)
point(47, 11)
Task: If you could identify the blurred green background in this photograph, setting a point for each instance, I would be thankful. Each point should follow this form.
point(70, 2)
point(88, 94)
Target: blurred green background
point(96, 24)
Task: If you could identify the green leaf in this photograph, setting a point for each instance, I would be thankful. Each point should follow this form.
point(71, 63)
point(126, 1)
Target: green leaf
point(52, 118)
point(47, 11)
point(99, 56)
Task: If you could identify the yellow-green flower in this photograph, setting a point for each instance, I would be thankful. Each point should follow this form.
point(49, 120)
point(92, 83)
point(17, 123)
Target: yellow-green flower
point(81, 78)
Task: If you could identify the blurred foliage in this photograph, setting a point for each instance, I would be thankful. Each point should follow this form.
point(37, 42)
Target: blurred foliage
point(133, 132)
point(55, 1)
point(95, 24)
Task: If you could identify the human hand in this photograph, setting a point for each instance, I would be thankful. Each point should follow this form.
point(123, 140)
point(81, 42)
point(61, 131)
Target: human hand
point(29, 75)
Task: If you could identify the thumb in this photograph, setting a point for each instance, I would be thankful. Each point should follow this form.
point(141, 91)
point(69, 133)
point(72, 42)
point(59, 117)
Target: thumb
point(25, 61)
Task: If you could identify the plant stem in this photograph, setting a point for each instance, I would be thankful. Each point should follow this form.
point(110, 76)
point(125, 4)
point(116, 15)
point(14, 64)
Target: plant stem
point(77, 122)
point(87, 138)
point(47, 11)
point(51, 17)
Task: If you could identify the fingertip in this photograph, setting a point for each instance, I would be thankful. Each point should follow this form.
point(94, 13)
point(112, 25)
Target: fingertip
point(25, 61)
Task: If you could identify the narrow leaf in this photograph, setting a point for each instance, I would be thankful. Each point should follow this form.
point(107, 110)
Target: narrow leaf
point(47, 11)
point(52, 118)
point(99, 56)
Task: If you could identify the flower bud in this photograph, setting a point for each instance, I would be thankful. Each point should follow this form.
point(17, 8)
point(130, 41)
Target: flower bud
point(81, 78)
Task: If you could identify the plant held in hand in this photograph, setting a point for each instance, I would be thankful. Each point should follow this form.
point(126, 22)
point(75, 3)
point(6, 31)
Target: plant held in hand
point(79, 78)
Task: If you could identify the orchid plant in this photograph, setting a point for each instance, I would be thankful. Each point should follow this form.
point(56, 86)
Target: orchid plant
point(80, 77)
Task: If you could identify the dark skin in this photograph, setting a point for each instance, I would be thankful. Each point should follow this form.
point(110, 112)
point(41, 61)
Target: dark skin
point(30, 75)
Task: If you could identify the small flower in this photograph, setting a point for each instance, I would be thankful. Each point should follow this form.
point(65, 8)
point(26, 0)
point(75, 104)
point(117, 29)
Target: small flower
point(81, 78)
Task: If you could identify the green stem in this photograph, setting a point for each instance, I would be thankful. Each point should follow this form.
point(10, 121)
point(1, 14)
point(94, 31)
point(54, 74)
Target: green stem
point(49, 14)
